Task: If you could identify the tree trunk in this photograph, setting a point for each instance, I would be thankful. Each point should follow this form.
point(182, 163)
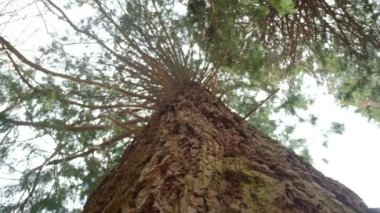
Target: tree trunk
point(198, 156)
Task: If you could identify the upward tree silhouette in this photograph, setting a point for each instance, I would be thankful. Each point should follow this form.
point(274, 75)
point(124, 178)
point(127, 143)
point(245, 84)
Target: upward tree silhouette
point(146, 80)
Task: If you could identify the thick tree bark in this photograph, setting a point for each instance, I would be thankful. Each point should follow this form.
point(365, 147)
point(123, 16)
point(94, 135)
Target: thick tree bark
point(198, 156)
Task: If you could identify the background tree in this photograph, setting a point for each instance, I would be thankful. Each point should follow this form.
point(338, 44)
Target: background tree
point(96, 85)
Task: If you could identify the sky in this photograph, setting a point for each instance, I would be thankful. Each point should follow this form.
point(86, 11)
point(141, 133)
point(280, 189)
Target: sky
point(352, 157)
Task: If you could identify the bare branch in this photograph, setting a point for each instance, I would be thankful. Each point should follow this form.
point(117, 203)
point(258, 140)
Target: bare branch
point(260, 104)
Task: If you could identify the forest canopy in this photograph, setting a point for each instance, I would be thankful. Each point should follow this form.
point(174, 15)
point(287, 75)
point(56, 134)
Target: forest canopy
point(69, 107)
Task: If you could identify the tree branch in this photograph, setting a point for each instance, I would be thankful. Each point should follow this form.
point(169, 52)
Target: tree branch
point(83, 128)
point(22, 58)
point(260, 104)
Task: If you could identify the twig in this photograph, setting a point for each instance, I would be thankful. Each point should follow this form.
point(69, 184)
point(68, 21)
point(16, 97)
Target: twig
point(260, 104)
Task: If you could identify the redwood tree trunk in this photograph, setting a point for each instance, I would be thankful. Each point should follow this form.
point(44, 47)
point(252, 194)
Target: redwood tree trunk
point(198, 156)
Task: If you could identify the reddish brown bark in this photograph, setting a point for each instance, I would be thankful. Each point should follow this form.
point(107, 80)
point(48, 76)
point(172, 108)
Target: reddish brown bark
point(198, 156)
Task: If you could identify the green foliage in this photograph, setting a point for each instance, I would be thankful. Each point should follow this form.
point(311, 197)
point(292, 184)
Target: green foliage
point(283, 6)
point(337, 128)
point(72, 111)
point(356, 83)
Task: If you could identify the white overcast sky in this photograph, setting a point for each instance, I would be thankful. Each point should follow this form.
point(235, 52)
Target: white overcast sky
point(353, 156)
